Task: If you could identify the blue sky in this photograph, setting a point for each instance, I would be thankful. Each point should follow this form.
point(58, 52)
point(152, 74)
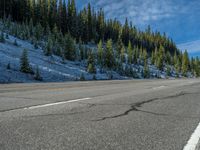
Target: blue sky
point(178, 18)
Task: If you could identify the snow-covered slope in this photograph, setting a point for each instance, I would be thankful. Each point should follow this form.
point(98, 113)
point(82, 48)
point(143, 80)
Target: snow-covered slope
point(51, 68)
point(54, 69)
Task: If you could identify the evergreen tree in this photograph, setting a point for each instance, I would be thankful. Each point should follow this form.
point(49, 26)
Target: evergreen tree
point(146, 72)
point(145, 56)
point(197, 67)
point(168, 71)
point(177, 65)
point(152, 58)
point(38, 33)
point(135, 55)
point(119, 46)
point(2, 39)
point(125, 33)
point(24, 63)
point(160, 58)
point(109, 56)
point(185, 63)
point(91, 64)
point(89, 20)
point(72, 18)
point(48, 51)
point(146, 67)
point(168, 58)
point(130, 53)
point(100, 53)
point(81, 49)
point(37, 75)
point(69, 48)
point(122, 54)
point(15, 43)
point(8, 66)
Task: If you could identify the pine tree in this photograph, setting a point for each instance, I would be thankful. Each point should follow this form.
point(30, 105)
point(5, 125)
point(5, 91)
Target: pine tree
point(48, 51)
point(152, 58)
point(69, 48)
point(65, 26)
point(135, 55)
point(59, 16)
point(177, 65)
point(168, 71)
point(15, 43)
point(146, 72)
point(185, 63)
point(168, 58)
point(160, 58)
point(197, 67)
point(125, 33)
point(122, 56)
point(7, 36)
point(130, 53)
point(192, 66)
point(39, 30)
point(109, 56)
point(24, 63)
point(89, 20)
point(37, 75)
point(145, 56)
point(146, 67)
point(8, 66)
point(2, 39)
point(81, 50)
point(72, 21)
point(119, 46)
point(91, 63)
point(100, 54)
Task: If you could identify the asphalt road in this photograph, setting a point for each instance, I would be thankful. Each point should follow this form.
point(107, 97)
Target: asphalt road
point(103, 115)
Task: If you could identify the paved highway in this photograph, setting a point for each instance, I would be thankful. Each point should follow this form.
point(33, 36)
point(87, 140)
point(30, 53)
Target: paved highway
point(102, 115)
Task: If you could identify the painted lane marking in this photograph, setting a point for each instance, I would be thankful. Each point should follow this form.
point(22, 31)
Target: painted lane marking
point(58, 103)
point(194, 139)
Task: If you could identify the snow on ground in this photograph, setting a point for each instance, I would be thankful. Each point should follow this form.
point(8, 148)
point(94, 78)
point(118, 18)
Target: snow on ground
point(52, 68)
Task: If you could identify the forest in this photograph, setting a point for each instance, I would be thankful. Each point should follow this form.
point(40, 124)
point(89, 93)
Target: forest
point(63, 30)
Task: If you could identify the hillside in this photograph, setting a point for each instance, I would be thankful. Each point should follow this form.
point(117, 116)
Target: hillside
point(52, 68)
point(65, 44)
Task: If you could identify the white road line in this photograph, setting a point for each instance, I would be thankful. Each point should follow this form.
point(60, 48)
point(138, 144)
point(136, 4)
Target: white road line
point(159, 87)
point(194, 139)
point(58, 103)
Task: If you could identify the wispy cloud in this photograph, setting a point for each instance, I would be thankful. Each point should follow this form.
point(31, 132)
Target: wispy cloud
point(143, 11)
point(192, 47)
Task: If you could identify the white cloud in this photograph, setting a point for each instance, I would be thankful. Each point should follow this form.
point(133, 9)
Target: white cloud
point(192, 47)
point(145, 11)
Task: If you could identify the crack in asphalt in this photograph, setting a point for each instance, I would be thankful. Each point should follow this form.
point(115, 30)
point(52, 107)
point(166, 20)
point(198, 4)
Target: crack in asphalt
point(135, 106)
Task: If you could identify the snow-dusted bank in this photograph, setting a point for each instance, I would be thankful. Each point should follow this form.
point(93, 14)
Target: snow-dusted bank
point(53, 68)
point(58, 68)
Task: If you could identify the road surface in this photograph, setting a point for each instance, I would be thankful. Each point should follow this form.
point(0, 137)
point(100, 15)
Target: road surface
point(101, 115)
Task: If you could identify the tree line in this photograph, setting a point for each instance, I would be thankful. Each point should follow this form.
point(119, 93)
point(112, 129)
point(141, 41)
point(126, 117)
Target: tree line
point(86, 24)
